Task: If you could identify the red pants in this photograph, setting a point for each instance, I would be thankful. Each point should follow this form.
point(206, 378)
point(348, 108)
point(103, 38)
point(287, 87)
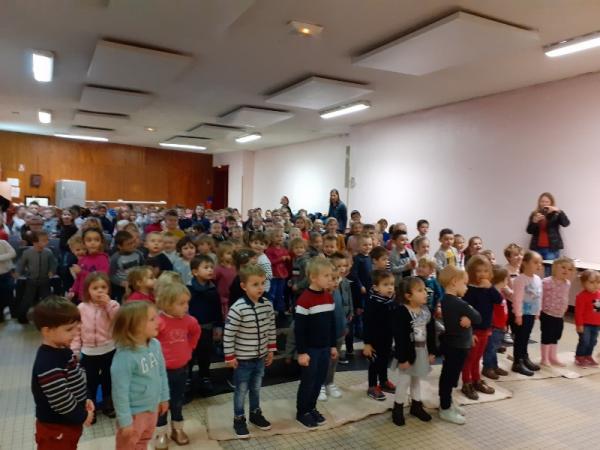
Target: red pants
point(471, 372)
point(143, 428)
point(56, 436)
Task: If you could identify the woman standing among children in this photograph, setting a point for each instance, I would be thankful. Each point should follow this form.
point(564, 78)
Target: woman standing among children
point(338, 209)
point(544, 226)
point(587, 318)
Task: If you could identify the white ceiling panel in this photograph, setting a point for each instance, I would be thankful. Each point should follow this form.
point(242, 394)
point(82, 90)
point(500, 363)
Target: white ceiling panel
point(452, 41)
point(91, 131)
point(213, 131)
point(247, 116)
point(113, 100)
point(102, 120)
point(132, 67)
point(318, 93)
point(188, 140)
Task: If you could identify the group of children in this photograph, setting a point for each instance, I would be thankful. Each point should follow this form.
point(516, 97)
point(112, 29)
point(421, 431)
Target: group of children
point(407, 307)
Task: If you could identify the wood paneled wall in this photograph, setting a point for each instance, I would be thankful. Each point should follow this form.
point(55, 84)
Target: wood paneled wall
point(111, 171)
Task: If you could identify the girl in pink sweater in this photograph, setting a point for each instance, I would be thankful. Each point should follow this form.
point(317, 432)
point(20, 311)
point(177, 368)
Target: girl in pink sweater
point(95, 260)
point(93, 342)
point(224, 274)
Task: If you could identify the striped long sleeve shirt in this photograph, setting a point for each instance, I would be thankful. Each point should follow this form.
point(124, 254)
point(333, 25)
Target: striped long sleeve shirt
point(249, 330)
point(59, 387)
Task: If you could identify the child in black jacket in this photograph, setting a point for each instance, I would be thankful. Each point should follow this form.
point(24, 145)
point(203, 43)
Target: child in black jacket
point(414, 336)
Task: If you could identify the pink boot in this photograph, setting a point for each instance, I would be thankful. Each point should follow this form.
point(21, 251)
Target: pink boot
point(553, 357)
point(545, 350)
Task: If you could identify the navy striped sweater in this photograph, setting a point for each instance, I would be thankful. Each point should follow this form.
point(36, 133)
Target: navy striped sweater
point(314, 321)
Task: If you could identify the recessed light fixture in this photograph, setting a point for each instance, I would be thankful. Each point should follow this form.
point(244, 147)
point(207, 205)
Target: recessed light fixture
point(182, 146)
point(82, 137)
point(343, 110)
point(44, 116)
point(248, 138)
point(43, 65)
point(574, 45)
point(306, 29)
point(151, 129)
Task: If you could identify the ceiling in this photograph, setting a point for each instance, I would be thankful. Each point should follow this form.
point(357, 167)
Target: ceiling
point(232, 53)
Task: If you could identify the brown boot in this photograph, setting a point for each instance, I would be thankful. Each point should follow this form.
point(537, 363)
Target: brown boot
point(489, 373)
point(178, 435)
point(467, 389)
point(500, 372)
point(482, 387)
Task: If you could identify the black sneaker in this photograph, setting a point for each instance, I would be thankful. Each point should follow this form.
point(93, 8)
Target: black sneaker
point(240, 427)
point(109, 412)
point(307, 421)
point(318, 417)
point(343, 360)
point(259, 421)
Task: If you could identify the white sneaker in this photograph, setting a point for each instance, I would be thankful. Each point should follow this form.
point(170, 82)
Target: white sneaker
point(450, 415)
point(457, 408)
point(322, 395)
point(333, 391)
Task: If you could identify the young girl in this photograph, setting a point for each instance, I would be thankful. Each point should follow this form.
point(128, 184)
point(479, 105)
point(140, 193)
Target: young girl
point(178, 334)
point(526, 302)
point(489, 255)
point(555, 302)
point(186, 249)
point(140, 284)
point(241, 258)
point(139, 378)
point(587, 318)
point(95, 260)
point(302, 225)
point(499, 320)
point(224, 274)
point(414, 336)
point(421, 247)
point(93, 341)
point(473, 248)
point(482, 296)
point(331, 229)
point(459, 245)
point(280, 262)
point(66, 229)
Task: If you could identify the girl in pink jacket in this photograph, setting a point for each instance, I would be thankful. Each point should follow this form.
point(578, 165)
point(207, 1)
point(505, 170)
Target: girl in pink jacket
point(93, 342)
point(95, 260)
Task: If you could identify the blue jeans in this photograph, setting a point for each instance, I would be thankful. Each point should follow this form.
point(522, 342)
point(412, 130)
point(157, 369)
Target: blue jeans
point(550, 255)
point(490, 358)
point(312, 378)
point(587, 340)
point(247, 378)
point(177, 379)
point(277, 294)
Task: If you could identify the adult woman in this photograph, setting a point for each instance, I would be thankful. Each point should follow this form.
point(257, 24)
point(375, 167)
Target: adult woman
point(285, 204)
point(338, 210)
point(544, 224)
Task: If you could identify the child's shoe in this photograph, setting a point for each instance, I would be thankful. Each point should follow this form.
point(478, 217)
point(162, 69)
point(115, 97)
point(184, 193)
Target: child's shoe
point(240, 428)
point(483, 387)
point(398, 414)
point(416, 409)
point(458, 409)
point(467, 389)
point(333, 391)
point(490, 373)
point(307, 421)
point(318, 417)
point(452, 416)
point(500, 372)
point(258, 420)
point(388, 387)
point(322, 395)
point(177, 433)
point(161, 441)
point(580, 361)
point(375, 393)
point(530, 364)
point(591, 362)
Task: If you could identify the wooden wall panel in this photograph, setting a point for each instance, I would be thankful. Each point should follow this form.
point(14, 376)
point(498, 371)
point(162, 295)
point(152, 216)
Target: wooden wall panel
point(111, 171)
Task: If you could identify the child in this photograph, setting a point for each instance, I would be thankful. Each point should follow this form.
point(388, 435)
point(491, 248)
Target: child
point(69, 258)
point(587, 318)
point(205, 307)
point(216, 232)
point(7, 255)
point(172, 224)
point(526, 302)
point(447, 254)
point(279, 258)
point(473, 248)
point(555, 302)
point(315, 244)
point(257, 240)
point(489, 255)
point(241, 258)
point(122, 262)
point(170, 245)
point(224, 274)
point(514, 257)
point(139, 378)
point(315, 340)
point(93, 343)
point(352, 241)
point(402, 259)
point(363, 265)
point(457, 339)
point(414, 336)
point(482, 296)
point(140, 284)
point(37, 264)
point(422, 229)
point(186, 249)
point(426, 271)
point(329, 245)
point(459, 245)
point(421, 247)
point(331, 229)
point(380, 258)
point(57, 380)
point(95, 260)
point(378, 333)
point(300, 258)
point(205, 246)
point(178, 334)
point(249, 342)
point(156, 258)
point(499, 319)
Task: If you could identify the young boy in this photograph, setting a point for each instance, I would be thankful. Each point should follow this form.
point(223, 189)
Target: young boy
point(205, 307)
point(298, 281)
point(499, 318)
point(343, 262)
point(459, 245)
point(205, 246)
point(402, 259)
point(58, 382)
point(216, 232)
point(170, 245)
point(331, 229)
point(514, 257)
point(124, 259)
point(37, 264)
point(422, 228)
point(447, 254)
point(329, 245)
point(457, 340)
point(363, 265)
point(172, 223)
point(258, 242)
point(315, 340)
point(249, 342)
point(380, 258)
point(425, 270)
point(315, 244)
point(156, 258)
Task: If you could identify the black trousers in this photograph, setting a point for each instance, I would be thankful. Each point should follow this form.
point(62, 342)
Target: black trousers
point(311, 379)
point(522, 333)
point(7, 286)
point(203, 353)
point(97, 372)
point(552, 328)
point(378, 366)
point(35, 290)
point(511, 317)
point(454, 360)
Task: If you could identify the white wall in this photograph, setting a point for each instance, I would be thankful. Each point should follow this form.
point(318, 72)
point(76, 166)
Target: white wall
point(304, 172)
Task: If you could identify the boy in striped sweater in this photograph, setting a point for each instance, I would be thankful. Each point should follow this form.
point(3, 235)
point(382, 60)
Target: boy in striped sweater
point(249, 342)
point(58, 382)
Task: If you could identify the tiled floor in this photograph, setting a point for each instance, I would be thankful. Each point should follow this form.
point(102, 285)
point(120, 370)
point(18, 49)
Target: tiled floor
point(547, 414)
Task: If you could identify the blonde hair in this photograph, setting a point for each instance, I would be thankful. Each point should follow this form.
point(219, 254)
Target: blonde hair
point(562, 261)
point(166, 278)
point(135, 276)
point(449, 274)
point(588, 275)
point(223, 248)
point(474, 263)
point(128, 322)
point(316, 265)
point(169, 293)
point(75, 240)
point(427, 261)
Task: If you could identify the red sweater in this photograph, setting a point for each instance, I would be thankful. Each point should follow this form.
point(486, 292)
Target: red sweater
point(279, 266)
point(137, 296)
point(500, 315)
point(178, 337)
point(587, 308)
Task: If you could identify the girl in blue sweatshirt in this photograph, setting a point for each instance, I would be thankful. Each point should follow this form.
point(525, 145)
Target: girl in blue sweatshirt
point(140, 387)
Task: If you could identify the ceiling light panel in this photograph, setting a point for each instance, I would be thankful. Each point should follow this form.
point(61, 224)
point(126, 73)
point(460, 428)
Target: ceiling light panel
point(113, 100)
point(452, 41)
point(187, 140)
point(214, 131)
point(318, 93)
point(247, 116)
point(132, 67)
point(101, 120)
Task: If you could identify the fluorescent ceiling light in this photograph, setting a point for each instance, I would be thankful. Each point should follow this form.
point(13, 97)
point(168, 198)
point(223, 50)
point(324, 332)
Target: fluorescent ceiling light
point(83, 138)
point(248, 138)
point(44, 116)
point(184, 146)
point(343, 110)
point(574, 45)
point(43, 64)
point(305, 28)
